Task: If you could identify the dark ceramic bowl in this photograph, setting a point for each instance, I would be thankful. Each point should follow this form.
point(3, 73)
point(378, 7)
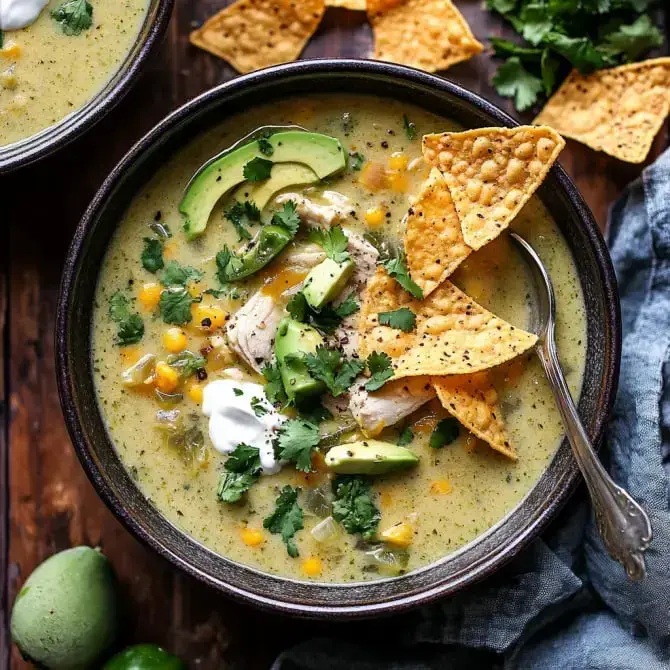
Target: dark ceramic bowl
point(96, 451)
point(45, 142)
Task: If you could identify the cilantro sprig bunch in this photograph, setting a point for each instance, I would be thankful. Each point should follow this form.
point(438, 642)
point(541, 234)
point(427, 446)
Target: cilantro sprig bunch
point(559, 35)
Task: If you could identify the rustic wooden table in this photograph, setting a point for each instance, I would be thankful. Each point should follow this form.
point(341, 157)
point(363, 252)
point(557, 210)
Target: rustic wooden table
point(46, 502)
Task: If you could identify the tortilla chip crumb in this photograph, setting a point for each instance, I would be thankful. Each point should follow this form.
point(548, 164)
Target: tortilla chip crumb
point(434, 244)
point(252, 34)
point(427, 34)
point(618, 111)
point(358, 5)
point(473, 400)
point(491, 173)
point(453, 334)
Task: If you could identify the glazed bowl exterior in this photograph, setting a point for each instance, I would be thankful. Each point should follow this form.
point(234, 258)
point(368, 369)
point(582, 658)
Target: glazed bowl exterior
point(51, 139)
point(96, 451)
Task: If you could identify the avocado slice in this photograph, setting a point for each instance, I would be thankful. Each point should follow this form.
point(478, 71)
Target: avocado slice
point(292, 341)
point(324, 155)
point(283, 175)
point(369, 457)
point(326, 280)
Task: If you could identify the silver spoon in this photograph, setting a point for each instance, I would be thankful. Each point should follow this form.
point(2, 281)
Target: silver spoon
point(624, 526)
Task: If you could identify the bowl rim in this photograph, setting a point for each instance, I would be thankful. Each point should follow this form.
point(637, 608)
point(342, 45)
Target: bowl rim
point(492, 561)
point(43, 143)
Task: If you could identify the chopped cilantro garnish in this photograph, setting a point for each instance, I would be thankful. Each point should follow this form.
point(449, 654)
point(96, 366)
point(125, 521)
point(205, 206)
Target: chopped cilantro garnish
point(119, 307)
point(445, 433)
point(327, 319)
point(334, 242)
point(287, 217)
point(152, 255)
point(265, 146)
point(238, 392)
point(397, 268)
point(176, 274)
point(258, 407)
point(73, 16)
point(186, 363)
point(402, 319)
point(297, 439)
point(274, 389)
point(314, 412)
point(405, 437)
point(243, 468)
point(354, 507)
point(131, 330)
point(335, 371)
point(286, 519)
point(348, 306)
point(512, 80)
point(356, 160)
point(409, 127)
point(381, 370)
point(175, 305)
point(258, 169)
point(243, 214)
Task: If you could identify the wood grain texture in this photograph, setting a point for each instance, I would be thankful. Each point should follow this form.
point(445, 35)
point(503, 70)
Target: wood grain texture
point(46, 502)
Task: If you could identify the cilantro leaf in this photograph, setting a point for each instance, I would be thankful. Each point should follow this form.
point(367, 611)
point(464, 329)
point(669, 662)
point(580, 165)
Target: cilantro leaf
point(176, 274)
point(537, 22)
point(258, 407)
point(405, 437)
point(175, 305)
point(243, 469)
point(152, 255)
point(356, 160)
point(286, 519)
point(501, 6)
point(73, 16)
point(258, 169)
point(635, 39)
point(348, 306)
point(131, 330)
point(118, 307)
point(512, 80)
point(397, 268)
point(334, 242)
point(580, 51)
point(445, 433)
point(402, 319)
point(327, 319)
point(314, 412)
point(330, 367)
point(274, 389)
point(409, 127)
point(265, 146)
point(549, 66)
point(504, 48)
point(242, 214)
point(186, 363)
point(381, 370)
point(297, 438)
point(287, 217)
point(227, 262)
point(354, 507)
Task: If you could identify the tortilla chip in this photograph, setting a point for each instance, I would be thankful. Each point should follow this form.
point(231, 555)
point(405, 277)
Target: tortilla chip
point(347, 4)
point(618, 111)
point(491, 173)
point(453, 335)
point(427, 34)
point(434, 243)
point(473, 400)
point(252, 34)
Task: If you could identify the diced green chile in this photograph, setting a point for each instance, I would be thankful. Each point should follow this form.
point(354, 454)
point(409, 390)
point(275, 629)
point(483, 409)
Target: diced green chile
point(270, 243)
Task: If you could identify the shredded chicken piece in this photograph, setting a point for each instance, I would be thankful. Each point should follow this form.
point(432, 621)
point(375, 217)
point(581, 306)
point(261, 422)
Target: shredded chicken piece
point(319, 216)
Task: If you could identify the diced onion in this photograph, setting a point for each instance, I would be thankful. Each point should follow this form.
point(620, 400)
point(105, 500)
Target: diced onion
point(326, 530)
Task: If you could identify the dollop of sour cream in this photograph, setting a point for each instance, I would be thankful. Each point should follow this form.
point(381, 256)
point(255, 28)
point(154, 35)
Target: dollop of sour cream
point(238, 412)
point(16, 14)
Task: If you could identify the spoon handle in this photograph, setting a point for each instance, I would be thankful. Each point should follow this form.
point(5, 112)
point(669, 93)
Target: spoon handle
point(624, 526)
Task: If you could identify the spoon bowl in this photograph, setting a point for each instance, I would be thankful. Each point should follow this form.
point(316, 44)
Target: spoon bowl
point(624, 526)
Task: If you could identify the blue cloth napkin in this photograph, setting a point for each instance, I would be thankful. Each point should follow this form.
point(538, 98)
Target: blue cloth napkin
point(564, 603)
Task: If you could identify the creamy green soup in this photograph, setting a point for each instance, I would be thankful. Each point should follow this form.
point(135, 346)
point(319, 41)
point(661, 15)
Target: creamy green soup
point(54, 66)
point(455, 493)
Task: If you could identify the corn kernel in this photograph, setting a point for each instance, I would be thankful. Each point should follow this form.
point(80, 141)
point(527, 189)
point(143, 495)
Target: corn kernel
point(440, 487)
point(195, 393)
point(385, 499)
point(169, 250)
point(12, 50)
point(398, 182)
point(209, 317)
point(252, 537)
point(398, 161)
point(400, 535)
point(174, 340)
point(149, 296)
point(312, 566)
point(374, 217)
point(166, 378)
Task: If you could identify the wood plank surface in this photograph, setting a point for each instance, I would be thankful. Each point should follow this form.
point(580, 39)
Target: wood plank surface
point(46, 502)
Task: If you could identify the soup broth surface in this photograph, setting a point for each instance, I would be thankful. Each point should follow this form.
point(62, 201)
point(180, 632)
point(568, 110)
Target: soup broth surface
point(456, 493)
